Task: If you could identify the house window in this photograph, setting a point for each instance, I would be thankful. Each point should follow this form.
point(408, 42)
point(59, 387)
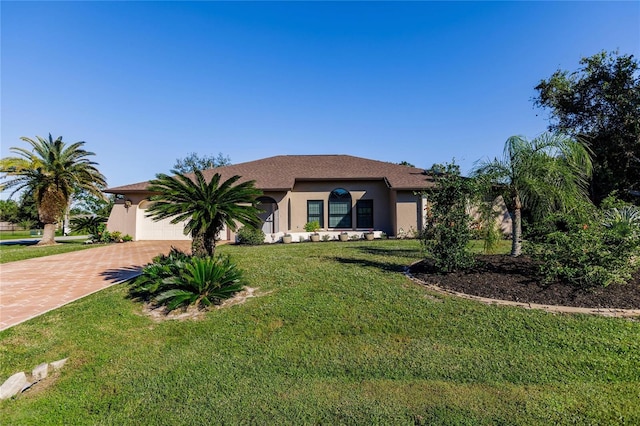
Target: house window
point(340, 209)
point(315, 211)
point(364, 214)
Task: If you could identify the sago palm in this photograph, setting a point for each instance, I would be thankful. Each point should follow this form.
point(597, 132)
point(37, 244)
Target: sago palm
point(206, 206)
point(548, 173)
point(52, 171)
point(202, 281)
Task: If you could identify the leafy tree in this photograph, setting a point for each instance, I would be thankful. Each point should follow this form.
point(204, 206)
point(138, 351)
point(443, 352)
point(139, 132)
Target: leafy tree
point(51, 170)
point(28, 210)
point(89, 204)
point(8, 211)
point(193, 162)
point(600, 102)
point(447, 233)
point(89, 224)
point(548, 173)
point(406, 163)
point(207, 206)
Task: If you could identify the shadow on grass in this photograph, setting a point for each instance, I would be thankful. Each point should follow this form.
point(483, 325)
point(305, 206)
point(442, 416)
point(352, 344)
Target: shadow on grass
point(384, 266)
point(121, 274)
point(21, 243)
point(386, 251)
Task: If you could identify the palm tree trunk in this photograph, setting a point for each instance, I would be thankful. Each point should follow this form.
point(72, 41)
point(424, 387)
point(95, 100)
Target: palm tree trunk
point(48, 235)
point(197, 245)
point(210, 243)
point(516, 228)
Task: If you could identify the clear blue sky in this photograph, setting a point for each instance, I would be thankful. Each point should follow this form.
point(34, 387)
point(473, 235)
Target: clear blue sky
point(144, 83)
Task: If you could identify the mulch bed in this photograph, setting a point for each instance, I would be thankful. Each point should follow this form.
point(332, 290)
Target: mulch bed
point(517, 279)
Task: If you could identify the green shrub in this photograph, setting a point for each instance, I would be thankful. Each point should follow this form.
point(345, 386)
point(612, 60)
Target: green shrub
point(203, 281)
point(447, 233)
point(250, 236)
point(127, 238)
point(623, 221)
point(178, 279)
point(153, 275)
point(587, 254)
point(312, 226)
point(88, 224)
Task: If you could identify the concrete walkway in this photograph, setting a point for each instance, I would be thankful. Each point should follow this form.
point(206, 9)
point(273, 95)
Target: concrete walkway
point(29, 288)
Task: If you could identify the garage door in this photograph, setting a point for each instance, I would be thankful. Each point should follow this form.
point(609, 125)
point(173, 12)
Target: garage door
point(148, 229)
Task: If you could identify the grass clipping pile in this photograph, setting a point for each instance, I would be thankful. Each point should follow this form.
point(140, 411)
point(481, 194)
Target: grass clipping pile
point(193, 312)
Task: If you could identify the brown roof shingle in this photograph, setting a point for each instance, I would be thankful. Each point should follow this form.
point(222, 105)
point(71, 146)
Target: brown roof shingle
point(281, 172)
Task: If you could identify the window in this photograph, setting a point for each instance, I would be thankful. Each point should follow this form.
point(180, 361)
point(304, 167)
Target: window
point(364, 214)
point(315, 211)
point(340, 209)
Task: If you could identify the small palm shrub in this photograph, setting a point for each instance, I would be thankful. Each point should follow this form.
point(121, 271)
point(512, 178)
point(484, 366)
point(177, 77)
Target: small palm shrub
point(178, 279)
point(162, 267)
point(624, 221)
point(250, 236)
point(203, 281)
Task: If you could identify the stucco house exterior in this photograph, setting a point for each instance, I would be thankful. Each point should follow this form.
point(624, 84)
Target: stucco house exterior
point(343, 193)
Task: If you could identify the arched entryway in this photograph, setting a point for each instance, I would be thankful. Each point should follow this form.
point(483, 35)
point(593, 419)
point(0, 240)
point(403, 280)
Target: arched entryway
point(269, 216)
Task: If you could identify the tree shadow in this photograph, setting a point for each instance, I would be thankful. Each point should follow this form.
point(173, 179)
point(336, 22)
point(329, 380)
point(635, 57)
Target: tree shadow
point(386, 251)
point(384, 266)
point(19, 242)
point(119, 275)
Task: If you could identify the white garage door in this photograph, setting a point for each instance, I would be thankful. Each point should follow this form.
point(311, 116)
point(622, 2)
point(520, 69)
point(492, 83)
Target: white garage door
point(148, 229)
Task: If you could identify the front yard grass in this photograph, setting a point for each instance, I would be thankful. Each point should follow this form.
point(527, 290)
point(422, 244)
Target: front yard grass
point(339, 336)
point(14, 252)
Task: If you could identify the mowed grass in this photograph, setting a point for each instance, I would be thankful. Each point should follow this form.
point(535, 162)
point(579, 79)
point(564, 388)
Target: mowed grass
point(15, 235)
point(338, 336)
point(22, 251)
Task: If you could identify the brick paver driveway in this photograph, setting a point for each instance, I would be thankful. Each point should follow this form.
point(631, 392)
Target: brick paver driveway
point(29, 288)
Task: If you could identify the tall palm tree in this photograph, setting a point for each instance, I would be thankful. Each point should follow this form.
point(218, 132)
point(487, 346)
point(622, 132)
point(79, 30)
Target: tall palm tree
point(52, 171)
point(207, 206)
point(548, 173)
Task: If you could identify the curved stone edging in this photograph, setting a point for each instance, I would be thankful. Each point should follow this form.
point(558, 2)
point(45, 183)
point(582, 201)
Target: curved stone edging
point(607, 312)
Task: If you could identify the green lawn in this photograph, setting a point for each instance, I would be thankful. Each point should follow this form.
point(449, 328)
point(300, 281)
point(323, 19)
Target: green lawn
point(15, 235)
point(340, 337)
point(19, 235)
point(13, 252)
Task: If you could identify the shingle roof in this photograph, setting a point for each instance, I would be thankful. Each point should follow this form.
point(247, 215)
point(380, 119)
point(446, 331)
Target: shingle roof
point(282, 171)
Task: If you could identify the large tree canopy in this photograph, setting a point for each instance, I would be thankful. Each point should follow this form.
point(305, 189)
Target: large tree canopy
point(601, 103)
point(51, 171)
point(193, 162)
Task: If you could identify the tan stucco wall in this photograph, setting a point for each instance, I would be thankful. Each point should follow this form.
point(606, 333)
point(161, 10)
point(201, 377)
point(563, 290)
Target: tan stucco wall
point(503, 218)
point(123, 219)
point(391, 210)
point(366, 190)
point(408, 213)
